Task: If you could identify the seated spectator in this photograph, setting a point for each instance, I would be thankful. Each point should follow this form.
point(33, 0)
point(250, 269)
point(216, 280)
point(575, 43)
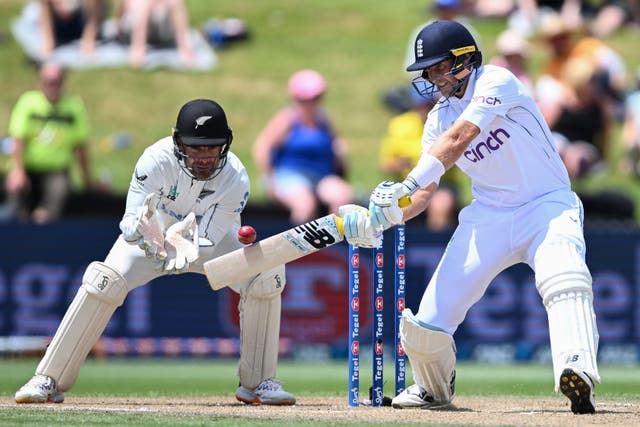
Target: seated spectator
point(582, 119)
point(512, 51)
point(565, 43)
point(160, 23)
point(527, 15)
point(48, 128)
point(605, 17)
point(64, 21)
point(300, 156)
point(400, 151)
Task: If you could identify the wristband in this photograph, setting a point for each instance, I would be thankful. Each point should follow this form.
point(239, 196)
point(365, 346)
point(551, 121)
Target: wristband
point(429, 169)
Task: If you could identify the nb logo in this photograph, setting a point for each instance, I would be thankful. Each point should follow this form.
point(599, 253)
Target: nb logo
point(317, 237)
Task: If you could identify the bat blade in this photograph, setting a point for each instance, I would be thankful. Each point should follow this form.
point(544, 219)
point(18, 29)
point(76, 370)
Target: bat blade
point(278, 249)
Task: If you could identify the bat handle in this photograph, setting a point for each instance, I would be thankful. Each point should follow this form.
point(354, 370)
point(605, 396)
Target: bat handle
point(339, 224)
point(404, 201)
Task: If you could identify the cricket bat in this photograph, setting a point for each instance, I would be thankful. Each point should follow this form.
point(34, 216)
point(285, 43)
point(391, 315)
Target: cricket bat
point(273, 251)
point(278, 249)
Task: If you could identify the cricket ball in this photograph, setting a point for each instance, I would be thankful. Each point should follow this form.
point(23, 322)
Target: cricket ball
point(246, 235)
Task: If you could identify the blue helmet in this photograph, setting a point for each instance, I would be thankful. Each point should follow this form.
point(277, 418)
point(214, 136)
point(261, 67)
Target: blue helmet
point(441, 40)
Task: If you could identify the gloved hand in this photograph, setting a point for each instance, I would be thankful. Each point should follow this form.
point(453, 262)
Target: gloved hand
point(357, 227)
point(146, 232)
point(181, 244)
point(384, 204)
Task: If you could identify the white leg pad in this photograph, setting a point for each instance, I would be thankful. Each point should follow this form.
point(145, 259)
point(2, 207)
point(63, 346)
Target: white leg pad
point(260, 327)
point(103, 290)
point(432, 354)
point(564, 283)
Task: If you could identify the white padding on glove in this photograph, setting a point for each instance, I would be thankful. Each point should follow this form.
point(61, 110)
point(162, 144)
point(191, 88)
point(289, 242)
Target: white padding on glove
point(181, 244)
point(384, 205)
point(358, 229)
point(148, 233)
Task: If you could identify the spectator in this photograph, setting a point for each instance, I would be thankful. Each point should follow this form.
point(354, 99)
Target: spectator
point(527, 15)
point(605, 17)
point(512, 52)
point(399, 153)
point(48, 129)
point(63, 21)
point(582, 119)
point(602, 17)
point(565, 42)
point(299, 154)
point(161, 23)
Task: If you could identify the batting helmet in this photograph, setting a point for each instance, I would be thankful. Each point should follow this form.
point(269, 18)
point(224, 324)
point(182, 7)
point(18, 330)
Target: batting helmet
point(442, 40)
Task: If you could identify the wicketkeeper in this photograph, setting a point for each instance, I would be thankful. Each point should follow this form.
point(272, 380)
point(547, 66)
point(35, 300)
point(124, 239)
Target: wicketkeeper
point(523, 210)
point(183, 208)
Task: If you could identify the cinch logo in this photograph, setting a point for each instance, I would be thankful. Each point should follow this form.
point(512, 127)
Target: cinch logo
point(491, 100)
point(419, 51)
point(483, 148)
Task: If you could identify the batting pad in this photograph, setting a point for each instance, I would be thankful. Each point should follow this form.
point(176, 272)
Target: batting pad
point(259, 308)
point(564, 283)
point(432, 354)
point(103, 290)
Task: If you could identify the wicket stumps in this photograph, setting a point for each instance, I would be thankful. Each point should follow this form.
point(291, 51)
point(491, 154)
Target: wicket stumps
point(377, 320)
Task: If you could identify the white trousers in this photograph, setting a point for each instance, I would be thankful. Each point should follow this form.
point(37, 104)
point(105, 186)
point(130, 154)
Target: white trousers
point(487, 241)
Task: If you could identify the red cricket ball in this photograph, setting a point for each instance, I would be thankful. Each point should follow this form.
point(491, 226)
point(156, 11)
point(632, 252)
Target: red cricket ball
point(246, 235)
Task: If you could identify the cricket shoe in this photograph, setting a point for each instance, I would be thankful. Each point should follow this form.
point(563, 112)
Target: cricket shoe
point(39, 389)
point(268, 392)
point(578, 387)
point(416, 397)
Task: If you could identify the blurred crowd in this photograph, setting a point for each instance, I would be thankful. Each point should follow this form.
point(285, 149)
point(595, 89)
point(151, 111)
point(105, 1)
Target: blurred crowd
point(582, 88)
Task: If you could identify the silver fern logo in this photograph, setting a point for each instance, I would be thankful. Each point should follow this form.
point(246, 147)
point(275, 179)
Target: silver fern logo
point(202, 120)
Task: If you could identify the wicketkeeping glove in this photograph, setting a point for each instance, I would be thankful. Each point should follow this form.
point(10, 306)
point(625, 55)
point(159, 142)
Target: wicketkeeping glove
point(357, 227)
point(146, 231)
point(181, 244)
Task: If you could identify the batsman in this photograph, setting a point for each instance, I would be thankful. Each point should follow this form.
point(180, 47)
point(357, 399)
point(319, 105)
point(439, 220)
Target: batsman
point(183, 207)
point(523, 210)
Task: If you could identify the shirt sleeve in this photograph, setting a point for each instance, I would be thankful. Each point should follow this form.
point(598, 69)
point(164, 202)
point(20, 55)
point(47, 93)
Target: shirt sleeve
point(495, 93)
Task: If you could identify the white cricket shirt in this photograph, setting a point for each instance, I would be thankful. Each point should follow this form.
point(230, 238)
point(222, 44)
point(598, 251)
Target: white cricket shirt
point(217, 203)
point(514, 159)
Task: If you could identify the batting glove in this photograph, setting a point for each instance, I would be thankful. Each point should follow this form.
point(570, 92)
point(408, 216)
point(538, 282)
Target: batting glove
point(384, 204)
point(358, 229)
point(181, 244)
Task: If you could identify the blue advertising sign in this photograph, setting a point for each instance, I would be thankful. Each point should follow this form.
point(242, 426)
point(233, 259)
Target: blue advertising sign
point(42, 266)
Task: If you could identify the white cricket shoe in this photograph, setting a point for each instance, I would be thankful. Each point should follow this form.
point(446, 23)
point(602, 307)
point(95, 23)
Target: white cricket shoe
point(416, 397)
point(39, 389)
point(268, 392)
point(578, 387)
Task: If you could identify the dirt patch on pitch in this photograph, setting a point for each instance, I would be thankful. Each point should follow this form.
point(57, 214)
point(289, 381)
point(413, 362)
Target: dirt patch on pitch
point(477, 411)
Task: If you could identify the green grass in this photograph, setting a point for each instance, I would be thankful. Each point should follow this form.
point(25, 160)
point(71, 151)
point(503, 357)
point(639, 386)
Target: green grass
point(196, 377)
point(211, 378)
point(358, 45)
